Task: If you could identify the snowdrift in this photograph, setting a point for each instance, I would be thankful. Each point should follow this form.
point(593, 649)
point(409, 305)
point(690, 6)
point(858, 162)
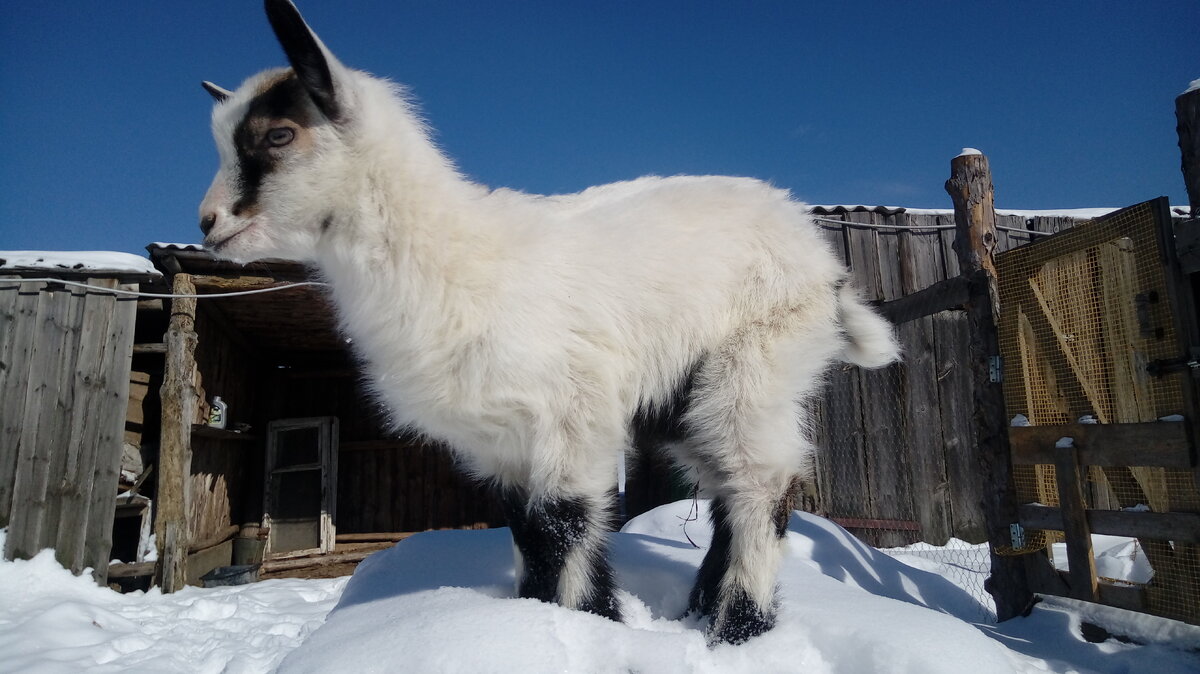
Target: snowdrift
point(443, 601)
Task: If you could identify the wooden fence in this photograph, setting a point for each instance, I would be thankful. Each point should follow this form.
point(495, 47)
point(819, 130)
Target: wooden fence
point(64, 382)
point(898, 459)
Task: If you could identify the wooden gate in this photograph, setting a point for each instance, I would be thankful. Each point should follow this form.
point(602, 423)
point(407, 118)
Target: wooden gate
point(1097, 335)
point(64, 385)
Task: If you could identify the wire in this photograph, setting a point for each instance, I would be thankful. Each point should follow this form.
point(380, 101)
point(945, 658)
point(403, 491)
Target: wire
point(877, 225)
point(136, 293)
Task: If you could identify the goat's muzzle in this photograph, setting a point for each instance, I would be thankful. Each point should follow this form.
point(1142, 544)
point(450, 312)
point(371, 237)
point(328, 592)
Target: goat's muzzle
point(207, 222)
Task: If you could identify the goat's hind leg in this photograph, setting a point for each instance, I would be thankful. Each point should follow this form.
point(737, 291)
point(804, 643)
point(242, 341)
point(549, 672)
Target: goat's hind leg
point(561, 546)
point(745, 437)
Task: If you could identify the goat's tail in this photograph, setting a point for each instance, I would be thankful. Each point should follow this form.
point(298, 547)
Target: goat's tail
point(870, 338)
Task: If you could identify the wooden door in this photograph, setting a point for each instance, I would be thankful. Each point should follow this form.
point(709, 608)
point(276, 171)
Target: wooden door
point(301, 482)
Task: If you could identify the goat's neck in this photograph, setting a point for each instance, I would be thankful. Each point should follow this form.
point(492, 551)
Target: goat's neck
point(404, 253)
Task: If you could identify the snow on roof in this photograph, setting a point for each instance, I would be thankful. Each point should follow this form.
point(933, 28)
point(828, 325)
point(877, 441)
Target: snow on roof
point(1077, 213)
point(176, 246)
point(75, 261)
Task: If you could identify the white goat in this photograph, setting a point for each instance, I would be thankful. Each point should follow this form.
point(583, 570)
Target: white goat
point(539, 336)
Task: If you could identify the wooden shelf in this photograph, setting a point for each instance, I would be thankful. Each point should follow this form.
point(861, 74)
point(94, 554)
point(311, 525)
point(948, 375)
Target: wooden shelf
point(205, 431)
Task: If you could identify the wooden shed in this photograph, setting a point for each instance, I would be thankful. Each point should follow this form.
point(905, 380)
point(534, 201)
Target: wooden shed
point(304, 456)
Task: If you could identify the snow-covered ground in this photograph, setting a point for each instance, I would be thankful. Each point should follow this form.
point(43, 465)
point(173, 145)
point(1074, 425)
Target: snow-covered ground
point(442, 602)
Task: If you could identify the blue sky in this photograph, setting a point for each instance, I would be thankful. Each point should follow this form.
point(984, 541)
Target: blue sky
point(106, 145)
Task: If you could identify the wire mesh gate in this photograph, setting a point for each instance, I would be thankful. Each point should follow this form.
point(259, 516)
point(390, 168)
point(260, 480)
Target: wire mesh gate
point(1096, 330)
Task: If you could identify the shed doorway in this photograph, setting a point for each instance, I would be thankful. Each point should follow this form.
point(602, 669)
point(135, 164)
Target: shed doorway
point(301, 483)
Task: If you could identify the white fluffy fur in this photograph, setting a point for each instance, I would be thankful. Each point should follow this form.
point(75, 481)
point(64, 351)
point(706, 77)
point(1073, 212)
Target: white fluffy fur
point(525, 331)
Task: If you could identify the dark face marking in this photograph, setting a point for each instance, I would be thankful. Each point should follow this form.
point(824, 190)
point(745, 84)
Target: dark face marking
point(284, 104)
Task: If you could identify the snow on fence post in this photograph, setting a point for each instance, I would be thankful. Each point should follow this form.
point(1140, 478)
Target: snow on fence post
point(970, 187)
point(1187, 114)
point(175, 447)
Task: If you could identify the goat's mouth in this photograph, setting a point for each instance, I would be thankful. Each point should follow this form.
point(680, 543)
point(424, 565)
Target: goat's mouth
point(216, 246)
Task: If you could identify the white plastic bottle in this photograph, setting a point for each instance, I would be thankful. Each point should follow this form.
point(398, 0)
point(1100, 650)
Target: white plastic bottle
point(219, 413)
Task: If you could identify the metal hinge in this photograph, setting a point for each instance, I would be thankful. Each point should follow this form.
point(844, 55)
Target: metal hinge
point(1017, 533)
point(995, 369)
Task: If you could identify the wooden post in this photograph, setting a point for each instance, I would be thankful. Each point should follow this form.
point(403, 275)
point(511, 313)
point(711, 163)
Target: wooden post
point(1187, 114)
point(970, 187)
point(175, 446)
point(1080, 560)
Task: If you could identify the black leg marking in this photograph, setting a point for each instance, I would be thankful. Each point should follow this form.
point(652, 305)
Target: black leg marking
point(703, 599)
point(783, 510)
point(653, 425)
point(743, 619)
point(545, 534)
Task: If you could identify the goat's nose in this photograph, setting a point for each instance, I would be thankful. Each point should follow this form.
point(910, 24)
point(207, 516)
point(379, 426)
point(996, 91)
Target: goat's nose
point(207, 222)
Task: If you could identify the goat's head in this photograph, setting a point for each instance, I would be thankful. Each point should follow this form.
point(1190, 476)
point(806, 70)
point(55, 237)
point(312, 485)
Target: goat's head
point(281, 137)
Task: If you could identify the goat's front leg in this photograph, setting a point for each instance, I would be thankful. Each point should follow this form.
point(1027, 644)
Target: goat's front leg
point(561, 551)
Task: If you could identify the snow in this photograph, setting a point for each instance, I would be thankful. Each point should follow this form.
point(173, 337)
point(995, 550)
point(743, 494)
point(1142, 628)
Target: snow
point(968, 152)
point(52, 621)
point(1117, 558)
point(443, 601)
point(177, 246)
point(75, 261)
point(1193, 86)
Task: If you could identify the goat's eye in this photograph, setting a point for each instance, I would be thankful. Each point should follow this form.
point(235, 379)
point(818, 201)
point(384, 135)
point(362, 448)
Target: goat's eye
point(280, 136)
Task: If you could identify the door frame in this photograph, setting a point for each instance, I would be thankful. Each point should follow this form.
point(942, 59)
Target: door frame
point(327, 463)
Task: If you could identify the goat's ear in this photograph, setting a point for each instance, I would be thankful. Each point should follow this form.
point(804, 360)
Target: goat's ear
point(219, 94)
point(309, 58)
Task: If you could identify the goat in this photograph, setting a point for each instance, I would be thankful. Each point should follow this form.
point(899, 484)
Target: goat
point(540, 336)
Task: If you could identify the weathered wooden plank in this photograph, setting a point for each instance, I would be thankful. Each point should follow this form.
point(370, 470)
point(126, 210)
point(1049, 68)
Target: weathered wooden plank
point(1081, 574)
point(20, 322)
point(919, 261)
point(960, 455)
point(89, 380)
point(117, 362)
point(1162, 444)
point(851, 445)
point(888, 471)
point(28, 531)
point(1162, 526)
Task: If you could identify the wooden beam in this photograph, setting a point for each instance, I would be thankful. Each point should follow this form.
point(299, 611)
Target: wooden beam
point(1082, 573)
point(131, 570)
point(970, 188)
point(377, 537)
point(1128, 597)
point(1156, 443)
point(1161, 526)
point(952, 293)
point(175, 445)
point(214, 539)
point(151, 347)
point(274, 565)
point(881, 524)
